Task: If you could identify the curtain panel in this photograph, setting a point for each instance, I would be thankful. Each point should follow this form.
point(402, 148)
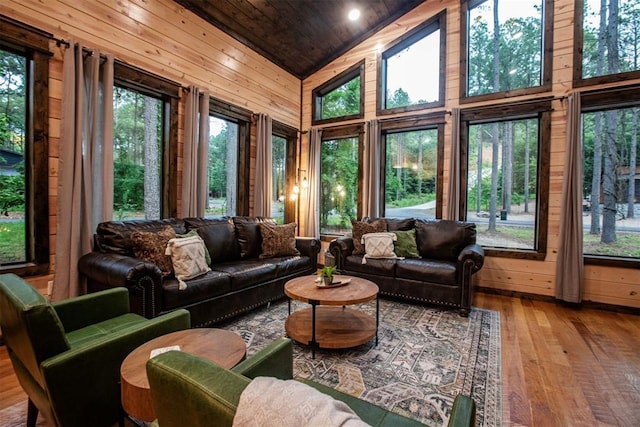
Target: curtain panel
point(312, 223)
point(570, 262)
point(263, 181)
point(453, 189)
point(195, 185)
point(371, 171)
point(85, 166)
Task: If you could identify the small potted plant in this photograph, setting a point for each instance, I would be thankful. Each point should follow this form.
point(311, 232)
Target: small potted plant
point(326, 273)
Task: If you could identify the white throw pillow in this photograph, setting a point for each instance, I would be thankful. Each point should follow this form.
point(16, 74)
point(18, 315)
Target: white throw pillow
point(188, 258)
point(378, 245)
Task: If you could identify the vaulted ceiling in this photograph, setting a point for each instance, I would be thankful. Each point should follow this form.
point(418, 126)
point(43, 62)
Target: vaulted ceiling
point(301, 36)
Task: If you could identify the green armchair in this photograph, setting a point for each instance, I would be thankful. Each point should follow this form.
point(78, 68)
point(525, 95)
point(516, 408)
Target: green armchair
point(188, 390)
point(67, 355)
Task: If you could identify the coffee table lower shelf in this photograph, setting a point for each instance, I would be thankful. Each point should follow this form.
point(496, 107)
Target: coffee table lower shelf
point(336, 327)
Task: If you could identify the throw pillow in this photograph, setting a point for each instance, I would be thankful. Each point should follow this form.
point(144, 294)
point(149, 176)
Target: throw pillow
point(151, 245)
point(406, 245)
point(278, 240)
point(187, 255)
point(360, 228)
point(378, 245)
point(207, 256)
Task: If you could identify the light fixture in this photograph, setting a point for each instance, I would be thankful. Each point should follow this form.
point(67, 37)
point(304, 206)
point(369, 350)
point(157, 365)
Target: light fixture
point(354, 14)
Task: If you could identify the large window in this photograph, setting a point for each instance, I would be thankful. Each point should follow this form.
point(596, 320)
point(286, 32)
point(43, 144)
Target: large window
point(503, 47)
point(339, 186)
point(611, 171)
point(412, 176)
point(340, 98)
point(411, 70)
point(505, 160)
point(24, 102)
point(286, 185)
point(607, 41)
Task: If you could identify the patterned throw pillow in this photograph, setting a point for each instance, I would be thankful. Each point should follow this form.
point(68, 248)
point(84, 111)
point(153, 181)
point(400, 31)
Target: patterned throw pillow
point(192, 233)
point(187, 255)
point(278, 240)
point(378, 245)
point(406, 245)
point(360, 228)
point(151, 245)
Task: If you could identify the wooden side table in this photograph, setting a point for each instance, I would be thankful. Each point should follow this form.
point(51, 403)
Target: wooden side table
point(223, 347)
point(328, 323)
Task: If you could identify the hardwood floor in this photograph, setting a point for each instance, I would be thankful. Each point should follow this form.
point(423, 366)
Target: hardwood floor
point(560, 366)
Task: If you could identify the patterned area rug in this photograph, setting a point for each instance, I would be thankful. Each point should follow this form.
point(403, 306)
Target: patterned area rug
point(425, 356)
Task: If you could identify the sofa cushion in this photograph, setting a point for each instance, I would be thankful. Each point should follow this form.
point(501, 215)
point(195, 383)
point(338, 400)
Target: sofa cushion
point(278, 240)
point(247, 273)
point(115, 236)
point(151, 246)
point(288, 265)
point(220, 239)
point(394, 224)
point(381, 266)
point(248, 234)
point(187, 257)
point(405, 245)
point(426, 270)
point(360, 228)
point(210, 285)
point(443, 239)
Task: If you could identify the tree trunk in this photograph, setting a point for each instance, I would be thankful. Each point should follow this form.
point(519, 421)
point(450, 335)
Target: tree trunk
point(507, 166)
point(631, 186)
point(479, 169)
point(231, 169)
point(527, 154)
point(151, 160)
point(495, 161)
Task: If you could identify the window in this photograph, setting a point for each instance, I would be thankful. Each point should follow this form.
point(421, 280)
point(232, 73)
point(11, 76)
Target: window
point(411, 71)
point(24, 103)
point(284, 180)
point(611, 176)
point(339, 186)
point(341, 98)
point(229, 140)
point(506, 163)
point(606, 41)
point(505, 45)
point(145, 109)
point(413, 173)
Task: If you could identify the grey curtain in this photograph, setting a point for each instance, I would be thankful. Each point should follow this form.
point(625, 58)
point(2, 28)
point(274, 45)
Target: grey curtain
point(371, 171)
point(195, 188)
point(312, 223)
point(453, 190)
point(262, 189)
point(570, 263)
point(85, 165)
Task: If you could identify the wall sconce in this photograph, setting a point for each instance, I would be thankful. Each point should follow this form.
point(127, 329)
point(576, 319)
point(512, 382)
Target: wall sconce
point(305, 182)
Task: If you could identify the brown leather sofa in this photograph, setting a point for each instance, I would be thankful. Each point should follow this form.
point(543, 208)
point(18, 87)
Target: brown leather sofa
point(239, 279)
point(441, 272)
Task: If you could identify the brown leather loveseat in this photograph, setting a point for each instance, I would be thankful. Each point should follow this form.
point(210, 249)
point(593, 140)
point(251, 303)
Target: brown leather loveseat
point(240, 278)
point(439, 272)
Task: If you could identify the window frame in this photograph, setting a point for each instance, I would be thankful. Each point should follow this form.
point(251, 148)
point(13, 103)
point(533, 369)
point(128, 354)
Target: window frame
point(541, 109)
point(242, 118)
point(33, 44)
point(317, 95)
point(355, 130)
point(437, 22)
point(603, 100)
point(578, 45)
point(290, 134)
point(139, 80)
point(407, 124)
point(546, 53)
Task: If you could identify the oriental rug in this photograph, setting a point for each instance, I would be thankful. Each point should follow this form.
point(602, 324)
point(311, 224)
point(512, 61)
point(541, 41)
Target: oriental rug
point(425, 356)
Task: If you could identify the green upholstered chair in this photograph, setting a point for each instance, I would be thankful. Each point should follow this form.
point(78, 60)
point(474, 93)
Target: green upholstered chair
point(188, 390)
point(67, 355)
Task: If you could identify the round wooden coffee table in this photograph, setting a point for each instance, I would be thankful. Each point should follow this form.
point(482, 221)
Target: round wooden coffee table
point(223, 347)
point(328, 323)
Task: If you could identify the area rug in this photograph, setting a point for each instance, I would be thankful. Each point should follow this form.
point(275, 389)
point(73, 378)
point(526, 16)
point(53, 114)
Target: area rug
point(425, 356)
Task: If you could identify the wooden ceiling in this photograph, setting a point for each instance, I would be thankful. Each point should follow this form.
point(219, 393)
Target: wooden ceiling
point(301, 36)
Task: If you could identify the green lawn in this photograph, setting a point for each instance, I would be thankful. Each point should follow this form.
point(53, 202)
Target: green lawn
point(12, 241)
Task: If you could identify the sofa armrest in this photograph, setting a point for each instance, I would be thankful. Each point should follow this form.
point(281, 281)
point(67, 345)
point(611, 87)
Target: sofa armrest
point(463, 412)
point(143, 279)
point(275, 360)
point(308, 246)
point(94, 307)
point(474, 254)
point(341, 248)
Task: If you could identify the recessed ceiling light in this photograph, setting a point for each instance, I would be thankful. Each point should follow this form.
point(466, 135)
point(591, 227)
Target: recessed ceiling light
point(354, 14)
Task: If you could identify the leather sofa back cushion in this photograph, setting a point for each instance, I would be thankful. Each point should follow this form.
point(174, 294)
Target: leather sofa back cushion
point(394, 224)
point(360, 228)
point(248, 234)
point(115, 236)
point(443, 239)
point(220, 239)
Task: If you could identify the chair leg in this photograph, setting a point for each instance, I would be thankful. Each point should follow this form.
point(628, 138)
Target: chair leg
point(32, 414)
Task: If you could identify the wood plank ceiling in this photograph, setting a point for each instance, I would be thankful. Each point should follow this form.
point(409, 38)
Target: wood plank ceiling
point(301, 36)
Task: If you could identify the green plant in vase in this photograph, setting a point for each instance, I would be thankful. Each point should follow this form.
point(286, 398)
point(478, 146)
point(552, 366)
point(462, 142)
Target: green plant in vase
point(326, 273)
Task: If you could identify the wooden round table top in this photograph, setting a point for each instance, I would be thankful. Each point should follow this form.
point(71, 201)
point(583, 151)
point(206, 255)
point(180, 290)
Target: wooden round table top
point(357, 291)
point(223, 347)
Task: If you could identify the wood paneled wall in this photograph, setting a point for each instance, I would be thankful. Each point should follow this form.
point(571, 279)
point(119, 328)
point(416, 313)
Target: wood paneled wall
point(163, 38)
point(608, 285)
